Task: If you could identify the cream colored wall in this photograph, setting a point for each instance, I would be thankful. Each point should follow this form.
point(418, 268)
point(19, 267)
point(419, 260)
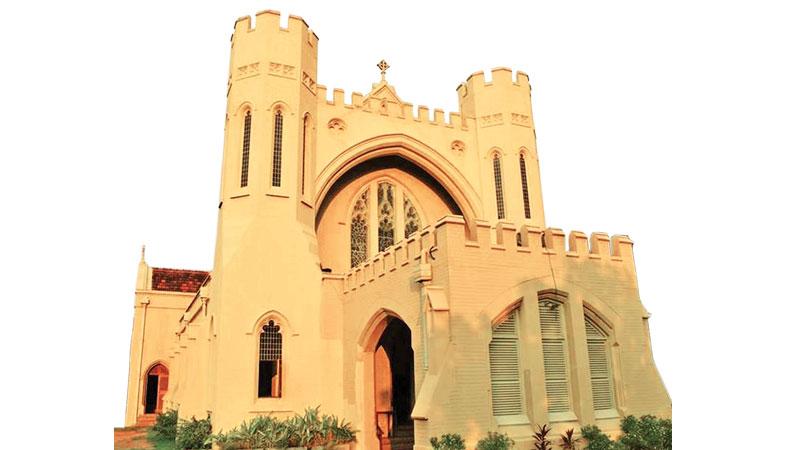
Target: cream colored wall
point(156, 315)
point(269, 254)
point(482, 279)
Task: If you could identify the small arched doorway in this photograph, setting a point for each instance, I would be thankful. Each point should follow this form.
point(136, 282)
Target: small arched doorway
point(155, 386)
point(394, 386)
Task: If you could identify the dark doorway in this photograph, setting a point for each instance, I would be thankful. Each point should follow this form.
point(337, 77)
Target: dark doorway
point(151, 399)
point(396, 343)
point(155, 386)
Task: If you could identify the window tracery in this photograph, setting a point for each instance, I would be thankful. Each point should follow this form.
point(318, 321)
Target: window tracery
point(358, 230)
point(388, 220)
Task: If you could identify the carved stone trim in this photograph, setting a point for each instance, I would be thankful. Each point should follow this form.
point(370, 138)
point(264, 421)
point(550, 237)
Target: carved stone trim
point(336, 125)
point(247, 71)
point(282, 70)
point(458, 146)
point(521, 120)
point(491, 120)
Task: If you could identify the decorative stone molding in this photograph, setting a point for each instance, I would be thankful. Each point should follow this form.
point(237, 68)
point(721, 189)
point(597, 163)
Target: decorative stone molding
point(336, 125)
point(458, 146)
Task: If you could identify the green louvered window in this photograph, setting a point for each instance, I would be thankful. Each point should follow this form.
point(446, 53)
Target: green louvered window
point(504, 367)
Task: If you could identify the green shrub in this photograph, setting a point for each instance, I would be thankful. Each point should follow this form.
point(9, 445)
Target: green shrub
point(311, 429)
point(596, 439)
point(166, 424)
point(646, 433)
point(448, 442)
point(495, 441)
point(193, 433)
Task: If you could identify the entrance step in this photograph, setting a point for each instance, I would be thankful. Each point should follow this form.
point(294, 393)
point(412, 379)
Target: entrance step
point(403, 437)
point(146, 420)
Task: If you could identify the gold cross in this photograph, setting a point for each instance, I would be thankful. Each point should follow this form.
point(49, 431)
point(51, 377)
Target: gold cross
point(383, 65)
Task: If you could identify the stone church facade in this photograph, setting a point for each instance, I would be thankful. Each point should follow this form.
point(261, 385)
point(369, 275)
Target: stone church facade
point(392, 267)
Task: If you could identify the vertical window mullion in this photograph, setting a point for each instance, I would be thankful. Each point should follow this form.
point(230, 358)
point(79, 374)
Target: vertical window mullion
point(303, 157)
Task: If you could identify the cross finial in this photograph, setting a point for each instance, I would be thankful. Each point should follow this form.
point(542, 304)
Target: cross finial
point(383, 65)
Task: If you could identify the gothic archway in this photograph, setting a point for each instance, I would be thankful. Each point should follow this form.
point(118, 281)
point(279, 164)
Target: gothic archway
point(156, 383)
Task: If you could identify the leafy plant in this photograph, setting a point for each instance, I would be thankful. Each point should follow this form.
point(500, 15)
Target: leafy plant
point(311, 429)
point(495, 441)
point(568, 441)
point(596, 439)
point(193, 433)
point(646, 433)
point(448, 442)
point(540, 440)
point(166, 424)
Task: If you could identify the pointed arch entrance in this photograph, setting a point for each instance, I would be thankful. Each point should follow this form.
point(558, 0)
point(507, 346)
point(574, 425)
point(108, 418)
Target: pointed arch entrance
point(155, 386)
point(389, 387)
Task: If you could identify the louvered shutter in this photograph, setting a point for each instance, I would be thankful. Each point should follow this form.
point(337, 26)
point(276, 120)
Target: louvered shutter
point(555, 357)
point(504, 368)
point(599, 367)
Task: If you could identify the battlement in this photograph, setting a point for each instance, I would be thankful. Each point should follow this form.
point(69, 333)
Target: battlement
point(500, 76)
point(403, 110)
point(503, 239)
point(270, 21)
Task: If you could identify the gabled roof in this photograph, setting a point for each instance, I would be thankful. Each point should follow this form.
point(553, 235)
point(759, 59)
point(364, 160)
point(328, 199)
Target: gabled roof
point(178, 280)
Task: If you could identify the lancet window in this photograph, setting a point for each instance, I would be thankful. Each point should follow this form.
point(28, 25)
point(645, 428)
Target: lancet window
point(270, 355)
point(277, 148)
point(498, 187)
point(523, 173)
point(245, 149)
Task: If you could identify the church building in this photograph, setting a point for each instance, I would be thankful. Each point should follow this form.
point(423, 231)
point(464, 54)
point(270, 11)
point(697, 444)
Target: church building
point(392, 266)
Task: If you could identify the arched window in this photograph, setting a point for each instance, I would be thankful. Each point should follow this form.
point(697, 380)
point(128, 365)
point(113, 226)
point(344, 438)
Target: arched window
point(599, 366)
point(358, 230)
point(554, 344)
point(498, 187)
point(504, 367)
point(376, 231)
point(245, 150)
point(277, 147)
point(523, 172)
point(385, 216)
point(270, 351)
point(412, 217)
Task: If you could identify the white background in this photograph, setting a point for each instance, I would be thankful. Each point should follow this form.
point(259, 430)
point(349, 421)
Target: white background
point(675, 123)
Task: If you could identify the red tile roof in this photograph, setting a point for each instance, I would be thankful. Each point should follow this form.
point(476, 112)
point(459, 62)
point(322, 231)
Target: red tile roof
point(178, 280)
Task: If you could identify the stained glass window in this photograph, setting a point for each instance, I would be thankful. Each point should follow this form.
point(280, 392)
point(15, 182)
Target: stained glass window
point(412, 218)
point(385, 216)
point(358, 230)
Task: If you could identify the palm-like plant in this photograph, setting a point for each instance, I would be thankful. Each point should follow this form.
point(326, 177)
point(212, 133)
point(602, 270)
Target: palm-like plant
point(540, 440)
point(568, 440)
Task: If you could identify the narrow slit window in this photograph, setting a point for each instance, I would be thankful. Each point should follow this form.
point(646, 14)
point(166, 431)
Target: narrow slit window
point(498, 187)
point(270, 355)
point(277, 149)
point(523, 172)
point(245, 150)
point(303, 157)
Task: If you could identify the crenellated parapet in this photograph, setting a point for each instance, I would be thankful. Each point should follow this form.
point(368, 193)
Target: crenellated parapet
point(388, 108)
point(451, 238)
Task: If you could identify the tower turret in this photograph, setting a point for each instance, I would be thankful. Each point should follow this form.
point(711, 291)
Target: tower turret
point(510, 183)
point(266, 220)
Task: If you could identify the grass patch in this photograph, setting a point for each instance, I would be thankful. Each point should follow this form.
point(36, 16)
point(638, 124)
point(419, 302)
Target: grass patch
point(159, 442)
